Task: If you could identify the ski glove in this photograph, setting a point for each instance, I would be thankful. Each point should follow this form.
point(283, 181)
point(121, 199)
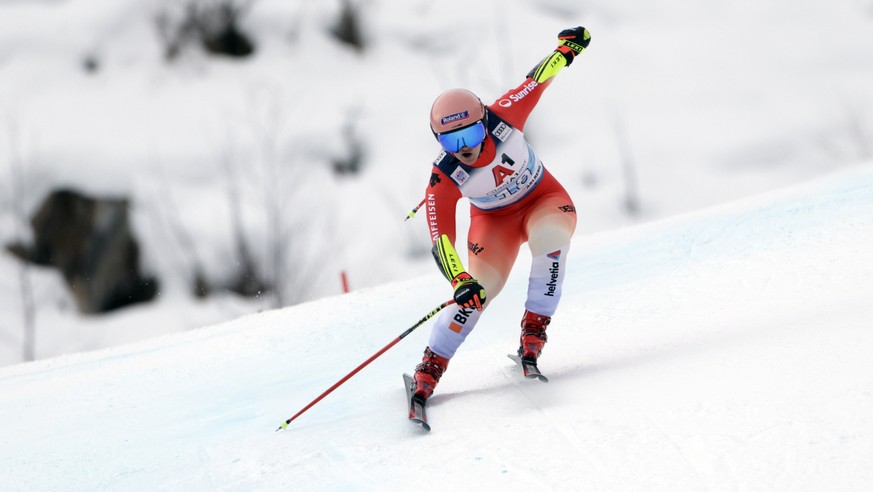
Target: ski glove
point(572, 42)
point(468, 292)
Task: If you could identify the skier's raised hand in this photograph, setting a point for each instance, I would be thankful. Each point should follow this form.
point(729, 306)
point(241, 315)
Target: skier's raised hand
point(573, 41)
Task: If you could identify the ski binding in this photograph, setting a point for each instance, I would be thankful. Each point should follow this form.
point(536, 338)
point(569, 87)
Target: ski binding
point(531, 371)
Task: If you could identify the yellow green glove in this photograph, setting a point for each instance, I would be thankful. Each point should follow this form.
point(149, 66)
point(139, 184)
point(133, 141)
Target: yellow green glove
point(571, 42)
point(469, 293)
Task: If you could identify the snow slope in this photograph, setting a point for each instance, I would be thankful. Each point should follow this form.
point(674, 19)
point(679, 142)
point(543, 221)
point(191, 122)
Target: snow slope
point(723, 350)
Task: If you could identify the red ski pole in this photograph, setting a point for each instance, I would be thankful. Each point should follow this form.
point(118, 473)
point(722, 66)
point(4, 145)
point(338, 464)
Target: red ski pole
point(366, 362)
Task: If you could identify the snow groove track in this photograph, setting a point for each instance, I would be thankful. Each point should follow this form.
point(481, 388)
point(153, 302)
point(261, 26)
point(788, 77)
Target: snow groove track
point(539, 396)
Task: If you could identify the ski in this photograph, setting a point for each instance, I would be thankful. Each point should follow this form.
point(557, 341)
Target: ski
point(417, 414)
point(531, 371)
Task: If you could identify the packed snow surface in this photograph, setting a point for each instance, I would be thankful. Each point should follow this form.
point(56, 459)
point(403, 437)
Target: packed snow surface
point(728, 349)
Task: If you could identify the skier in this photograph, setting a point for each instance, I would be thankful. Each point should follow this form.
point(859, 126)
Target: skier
point(513, 198)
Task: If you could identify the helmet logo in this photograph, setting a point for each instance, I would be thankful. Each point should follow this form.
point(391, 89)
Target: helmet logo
point(455, 117)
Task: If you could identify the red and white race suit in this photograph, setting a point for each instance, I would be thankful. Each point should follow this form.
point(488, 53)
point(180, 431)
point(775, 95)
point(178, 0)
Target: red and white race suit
point(514, 200)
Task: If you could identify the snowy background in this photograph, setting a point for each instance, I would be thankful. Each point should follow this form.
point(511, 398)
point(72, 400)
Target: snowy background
point(719, 338)
point(677, 105)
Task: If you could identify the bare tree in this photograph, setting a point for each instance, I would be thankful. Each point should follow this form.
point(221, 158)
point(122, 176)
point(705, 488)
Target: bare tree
point(352, 162)
point(267, 122)
point(17, 196)
point(281, 268)
point(859, 133)
point(631, 200)
point(169, 210)
point(294, 231)
point(248, 281)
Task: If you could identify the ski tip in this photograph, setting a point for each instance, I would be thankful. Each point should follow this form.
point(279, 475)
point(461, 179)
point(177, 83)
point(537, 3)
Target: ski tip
point(420, 423)
point(408, 383)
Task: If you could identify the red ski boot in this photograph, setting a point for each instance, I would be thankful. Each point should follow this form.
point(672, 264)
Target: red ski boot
point(428, 373)
point(533, 335)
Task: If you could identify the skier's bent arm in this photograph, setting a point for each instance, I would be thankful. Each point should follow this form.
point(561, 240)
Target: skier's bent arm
point(468, 292)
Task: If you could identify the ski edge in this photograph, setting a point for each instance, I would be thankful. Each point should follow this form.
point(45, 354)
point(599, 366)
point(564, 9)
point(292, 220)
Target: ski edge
point(417, 413)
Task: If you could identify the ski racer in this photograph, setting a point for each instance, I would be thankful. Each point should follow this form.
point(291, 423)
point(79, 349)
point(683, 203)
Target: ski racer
point(514, 199)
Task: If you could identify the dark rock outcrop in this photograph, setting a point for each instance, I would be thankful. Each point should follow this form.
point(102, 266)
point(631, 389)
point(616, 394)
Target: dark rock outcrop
point(89, 240)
